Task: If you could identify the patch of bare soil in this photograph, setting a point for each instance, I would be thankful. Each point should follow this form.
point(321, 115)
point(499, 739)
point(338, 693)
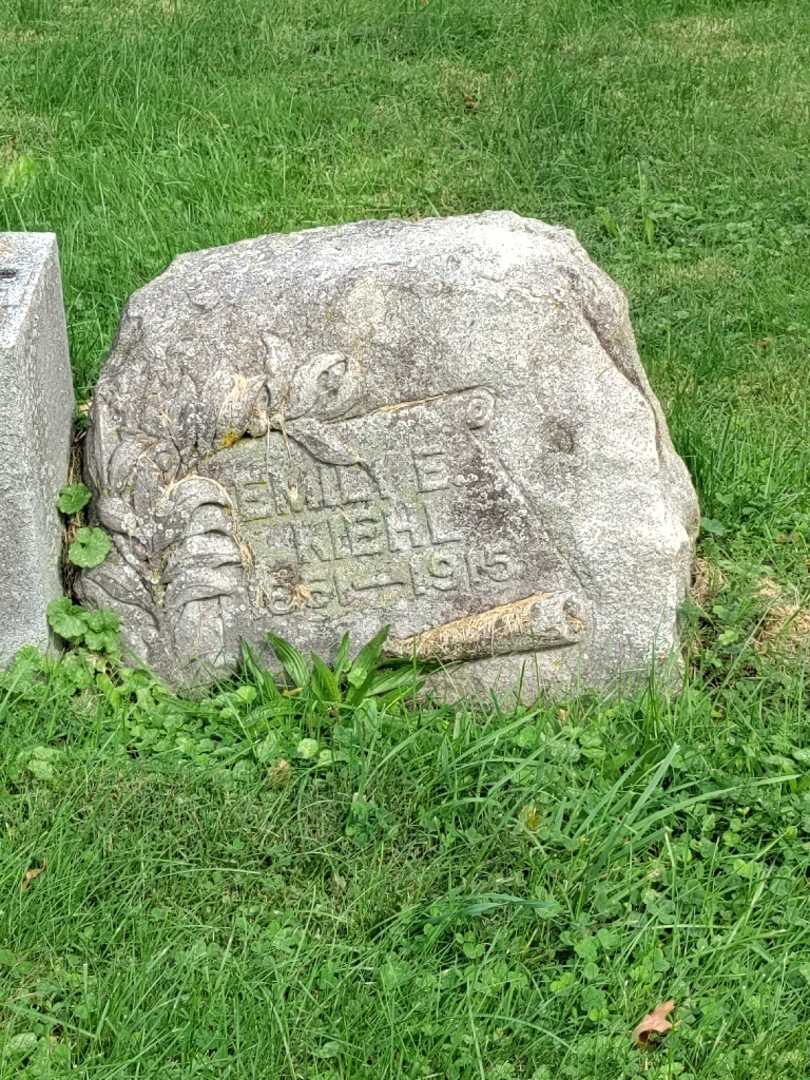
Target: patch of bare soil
point(707, 581)
point(785, 625)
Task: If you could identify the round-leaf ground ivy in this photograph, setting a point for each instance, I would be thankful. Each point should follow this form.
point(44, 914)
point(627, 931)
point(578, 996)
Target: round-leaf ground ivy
point(90, 548)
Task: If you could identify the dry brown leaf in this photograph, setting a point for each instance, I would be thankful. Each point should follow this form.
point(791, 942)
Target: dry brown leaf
point(785, 629)
point(654, 1023)
point(768, 589)
point(471, 102)
point(280, 773)
point(785, 625)
point(31, 875)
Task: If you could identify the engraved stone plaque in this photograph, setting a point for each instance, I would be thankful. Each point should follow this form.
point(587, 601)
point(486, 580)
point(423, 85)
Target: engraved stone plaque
point(442, 426)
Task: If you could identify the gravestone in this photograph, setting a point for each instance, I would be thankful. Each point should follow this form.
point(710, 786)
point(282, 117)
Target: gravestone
point(443, 426)
point(36, 415)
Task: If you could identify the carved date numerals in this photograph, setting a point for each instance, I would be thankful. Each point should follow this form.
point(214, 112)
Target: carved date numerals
point(427, 573)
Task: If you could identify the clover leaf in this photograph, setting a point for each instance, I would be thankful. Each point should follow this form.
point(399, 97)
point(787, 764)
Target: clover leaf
point(73, 498)
point(102, 632)
point(90, 548)
point(66, 619)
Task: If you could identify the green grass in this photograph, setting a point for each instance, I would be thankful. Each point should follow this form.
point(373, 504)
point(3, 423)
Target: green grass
point(445, 893)
point(457, 894)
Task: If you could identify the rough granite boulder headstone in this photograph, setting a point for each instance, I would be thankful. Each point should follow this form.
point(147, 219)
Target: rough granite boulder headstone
point(442, 425)
point(36, 416)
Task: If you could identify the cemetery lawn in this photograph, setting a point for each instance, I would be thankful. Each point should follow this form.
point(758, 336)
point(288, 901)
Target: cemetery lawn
point(261, 886)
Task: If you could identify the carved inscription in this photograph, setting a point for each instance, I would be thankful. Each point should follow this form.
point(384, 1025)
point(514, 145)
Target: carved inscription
point(329, 536)
point(403, 511)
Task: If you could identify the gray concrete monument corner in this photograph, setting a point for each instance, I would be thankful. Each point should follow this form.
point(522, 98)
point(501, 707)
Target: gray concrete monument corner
point(36, 414)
